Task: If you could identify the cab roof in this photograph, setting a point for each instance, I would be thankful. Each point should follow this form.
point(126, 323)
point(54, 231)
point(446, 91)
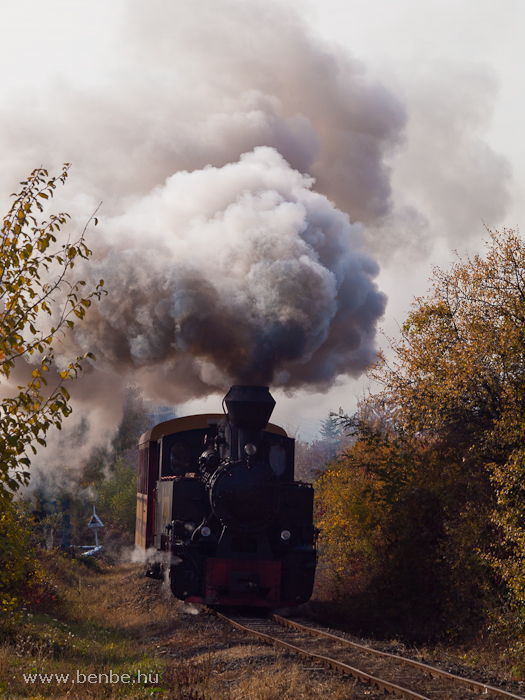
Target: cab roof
point(203, 420)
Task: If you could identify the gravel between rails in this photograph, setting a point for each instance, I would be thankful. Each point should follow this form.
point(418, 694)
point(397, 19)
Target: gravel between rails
point(402, 677)
point(236, 660)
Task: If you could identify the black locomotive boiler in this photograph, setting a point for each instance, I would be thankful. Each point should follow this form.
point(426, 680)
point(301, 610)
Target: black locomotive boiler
point(218, 501)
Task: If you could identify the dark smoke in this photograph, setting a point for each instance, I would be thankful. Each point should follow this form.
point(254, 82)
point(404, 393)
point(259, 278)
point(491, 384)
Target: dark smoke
point(271, 288)
point(235, 153)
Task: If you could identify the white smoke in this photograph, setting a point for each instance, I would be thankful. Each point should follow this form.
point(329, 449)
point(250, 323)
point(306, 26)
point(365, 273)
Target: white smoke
point(239, 274)
point(235, 154)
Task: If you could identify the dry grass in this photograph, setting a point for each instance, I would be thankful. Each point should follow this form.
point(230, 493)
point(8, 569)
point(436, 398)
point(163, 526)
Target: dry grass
point(117, 622)
point(492, 656)
point(290, 683)
point(103, 624)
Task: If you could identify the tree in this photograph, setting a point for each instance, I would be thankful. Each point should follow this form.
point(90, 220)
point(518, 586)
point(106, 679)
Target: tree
point(399, 539)
point(438, 466)
point(459, 367)
point(38, 303)
point(311, 458)
point(459, 379)
point(135, 421)
point(330, 431)
point(117, 496)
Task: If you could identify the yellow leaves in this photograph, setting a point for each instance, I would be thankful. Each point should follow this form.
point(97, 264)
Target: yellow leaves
point(458, 382)
point(463, 345)
point(27, 253)
point(43, 243)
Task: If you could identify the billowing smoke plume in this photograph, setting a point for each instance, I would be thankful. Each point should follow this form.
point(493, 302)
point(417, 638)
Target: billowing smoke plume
point(234, 153)
point(214, 152)
point(239, 274)
point(198, 83)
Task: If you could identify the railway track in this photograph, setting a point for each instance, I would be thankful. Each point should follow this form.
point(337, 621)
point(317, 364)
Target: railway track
point(397, 675)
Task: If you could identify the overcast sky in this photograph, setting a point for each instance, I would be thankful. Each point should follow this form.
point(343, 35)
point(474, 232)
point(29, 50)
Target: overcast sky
point(447, 72)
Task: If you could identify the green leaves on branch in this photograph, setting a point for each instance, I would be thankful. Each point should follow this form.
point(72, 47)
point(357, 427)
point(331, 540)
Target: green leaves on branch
point(35, 279)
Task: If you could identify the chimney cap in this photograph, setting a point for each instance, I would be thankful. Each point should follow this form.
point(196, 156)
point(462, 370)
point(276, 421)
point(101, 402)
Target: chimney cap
point(249, 407)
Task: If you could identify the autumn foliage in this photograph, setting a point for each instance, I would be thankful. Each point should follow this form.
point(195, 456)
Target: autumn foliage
point(40, 300)
point(423, 517)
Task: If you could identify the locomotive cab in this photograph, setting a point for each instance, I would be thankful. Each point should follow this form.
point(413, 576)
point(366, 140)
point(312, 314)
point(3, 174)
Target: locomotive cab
point(218, 501)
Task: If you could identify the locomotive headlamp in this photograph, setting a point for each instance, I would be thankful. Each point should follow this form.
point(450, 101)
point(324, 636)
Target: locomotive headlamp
point(205, 531)
point(285, 535)
point(250, 449)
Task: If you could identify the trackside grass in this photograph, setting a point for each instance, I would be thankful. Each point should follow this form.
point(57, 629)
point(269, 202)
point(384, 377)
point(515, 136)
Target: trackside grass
point(113, 633)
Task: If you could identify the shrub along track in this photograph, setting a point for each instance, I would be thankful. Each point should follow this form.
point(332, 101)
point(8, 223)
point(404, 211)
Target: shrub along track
point(394, 674)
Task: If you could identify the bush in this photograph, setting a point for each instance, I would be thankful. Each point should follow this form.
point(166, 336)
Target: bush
point(23, 581)
point(117, 496)
point(403, 536)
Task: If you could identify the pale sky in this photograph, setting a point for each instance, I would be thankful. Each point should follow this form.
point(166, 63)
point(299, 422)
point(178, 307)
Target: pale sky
point(398, 39)
point(456, 67)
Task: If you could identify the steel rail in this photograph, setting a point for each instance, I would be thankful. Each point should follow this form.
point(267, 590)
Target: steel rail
point(333, 663)
point(435, 672)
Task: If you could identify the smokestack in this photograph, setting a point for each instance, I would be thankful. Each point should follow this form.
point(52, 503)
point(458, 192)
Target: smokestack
point(249, 407)
point(223, 264)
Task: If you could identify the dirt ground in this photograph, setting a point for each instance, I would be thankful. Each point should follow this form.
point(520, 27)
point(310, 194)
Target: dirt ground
point(120, 634)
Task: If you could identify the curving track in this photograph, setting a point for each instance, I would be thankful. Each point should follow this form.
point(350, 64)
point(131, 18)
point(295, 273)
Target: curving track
point(394, 674)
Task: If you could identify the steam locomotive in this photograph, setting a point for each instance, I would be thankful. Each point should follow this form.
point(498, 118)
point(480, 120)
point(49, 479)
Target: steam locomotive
point(218, 502)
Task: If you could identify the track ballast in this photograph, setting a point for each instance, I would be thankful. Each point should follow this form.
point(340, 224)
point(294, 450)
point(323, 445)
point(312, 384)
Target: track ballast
point(394, 674)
